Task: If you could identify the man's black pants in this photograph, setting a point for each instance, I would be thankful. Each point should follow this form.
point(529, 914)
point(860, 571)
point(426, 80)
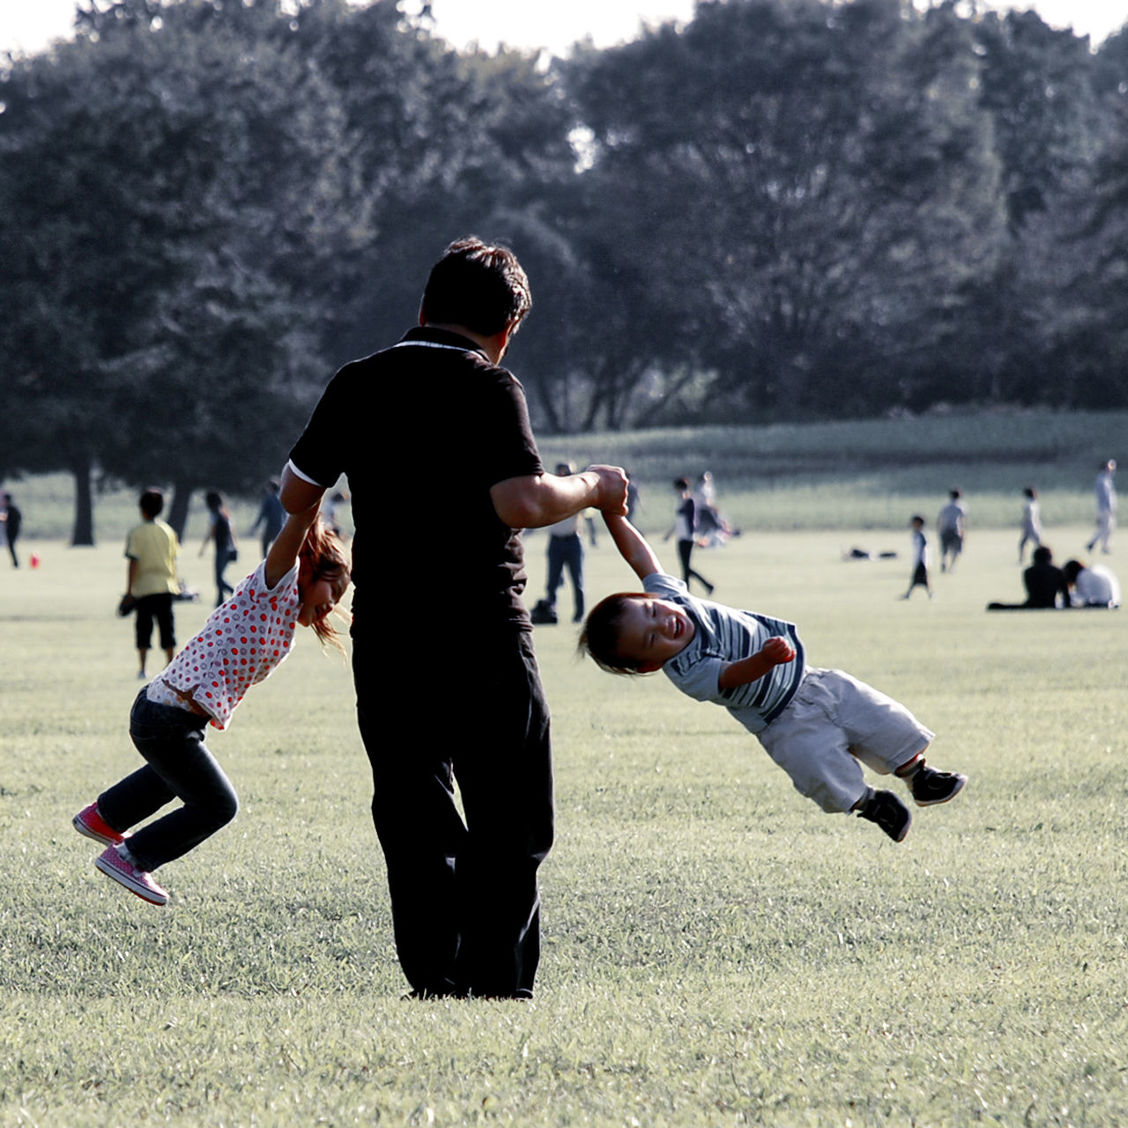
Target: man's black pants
point(465, 905)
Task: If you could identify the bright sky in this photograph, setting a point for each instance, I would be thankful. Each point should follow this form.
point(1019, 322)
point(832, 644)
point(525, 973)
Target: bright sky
point(29, 25)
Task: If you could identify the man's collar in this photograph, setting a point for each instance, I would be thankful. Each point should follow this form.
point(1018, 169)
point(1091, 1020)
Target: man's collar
point(443, 337)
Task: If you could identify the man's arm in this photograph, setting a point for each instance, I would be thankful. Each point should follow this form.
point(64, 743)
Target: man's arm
point(535, 500)
point(298, 494)
point(774, 652)
point(632, 546)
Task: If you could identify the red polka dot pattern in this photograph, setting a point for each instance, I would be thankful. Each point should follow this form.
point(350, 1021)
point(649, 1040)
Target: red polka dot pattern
point(240, 644)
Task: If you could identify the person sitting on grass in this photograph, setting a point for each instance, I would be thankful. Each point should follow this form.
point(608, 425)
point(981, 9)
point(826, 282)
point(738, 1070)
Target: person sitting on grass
point(1092, 586)
point(1046, 585)
point(815, 724)
point(302, 578)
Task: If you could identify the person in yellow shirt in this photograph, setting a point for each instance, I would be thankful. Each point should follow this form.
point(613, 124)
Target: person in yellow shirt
point(151, 550)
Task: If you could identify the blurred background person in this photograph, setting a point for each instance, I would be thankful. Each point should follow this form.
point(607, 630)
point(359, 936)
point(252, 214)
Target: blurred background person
point(151, 549)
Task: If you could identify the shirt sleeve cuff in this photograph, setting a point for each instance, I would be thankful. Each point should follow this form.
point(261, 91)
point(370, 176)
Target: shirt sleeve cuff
point(304, 477)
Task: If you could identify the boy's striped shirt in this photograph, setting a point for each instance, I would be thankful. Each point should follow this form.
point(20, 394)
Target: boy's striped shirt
point(724, 635)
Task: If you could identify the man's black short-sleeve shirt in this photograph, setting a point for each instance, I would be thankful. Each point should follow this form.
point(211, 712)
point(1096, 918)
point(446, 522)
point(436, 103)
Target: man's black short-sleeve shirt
point(423, 430)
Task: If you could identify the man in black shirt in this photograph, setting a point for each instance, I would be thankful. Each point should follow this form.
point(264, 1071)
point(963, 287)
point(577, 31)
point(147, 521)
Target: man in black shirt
point(446, 678)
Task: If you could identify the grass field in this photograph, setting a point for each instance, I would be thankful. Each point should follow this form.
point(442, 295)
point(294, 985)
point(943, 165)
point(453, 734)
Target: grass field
point(717, 950)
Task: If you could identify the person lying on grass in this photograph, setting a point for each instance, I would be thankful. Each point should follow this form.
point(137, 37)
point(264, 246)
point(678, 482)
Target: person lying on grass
point(815, 724)
point(302, 578)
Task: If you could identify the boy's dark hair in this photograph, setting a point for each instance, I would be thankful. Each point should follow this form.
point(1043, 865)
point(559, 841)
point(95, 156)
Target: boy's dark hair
point(681, 484)
point(955, 493)
point(600, 636)
point(1042, 554)
point(1030, 491)
point(916, 518)
point(151, 502)
point(1072, 569)
point(477, 285)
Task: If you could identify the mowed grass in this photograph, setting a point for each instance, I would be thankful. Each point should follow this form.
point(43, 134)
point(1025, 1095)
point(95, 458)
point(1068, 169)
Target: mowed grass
point(717, 951)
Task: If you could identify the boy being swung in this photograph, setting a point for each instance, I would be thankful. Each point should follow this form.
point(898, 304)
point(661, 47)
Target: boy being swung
point(816, 724)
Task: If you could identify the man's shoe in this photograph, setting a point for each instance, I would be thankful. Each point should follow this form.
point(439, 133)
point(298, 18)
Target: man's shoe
point(885, 809)
point(89, 821)
point(138, 881)
point(929, 786)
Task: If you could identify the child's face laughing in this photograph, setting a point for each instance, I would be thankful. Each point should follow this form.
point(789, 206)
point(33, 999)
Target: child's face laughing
point(652, 631)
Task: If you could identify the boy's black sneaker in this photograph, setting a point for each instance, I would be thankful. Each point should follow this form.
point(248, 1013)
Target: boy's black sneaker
point(929, 786)
point(885, 809)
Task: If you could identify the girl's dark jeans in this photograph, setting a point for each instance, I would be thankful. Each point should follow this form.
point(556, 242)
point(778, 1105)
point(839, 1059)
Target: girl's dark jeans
point(179, 766)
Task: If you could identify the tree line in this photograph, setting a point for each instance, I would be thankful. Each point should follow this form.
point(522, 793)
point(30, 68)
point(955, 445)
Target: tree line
point(785, 209)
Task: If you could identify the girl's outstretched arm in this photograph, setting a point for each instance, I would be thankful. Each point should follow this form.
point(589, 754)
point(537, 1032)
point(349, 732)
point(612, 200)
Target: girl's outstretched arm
point(632, 546)
point(284, 551)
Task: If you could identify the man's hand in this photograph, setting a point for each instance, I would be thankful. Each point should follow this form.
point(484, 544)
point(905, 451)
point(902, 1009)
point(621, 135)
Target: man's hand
point(612, 489)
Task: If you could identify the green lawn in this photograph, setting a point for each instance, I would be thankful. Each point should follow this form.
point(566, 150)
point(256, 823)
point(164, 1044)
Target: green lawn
point(717, 950)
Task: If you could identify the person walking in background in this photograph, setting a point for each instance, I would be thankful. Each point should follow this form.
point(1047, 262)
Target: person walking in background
point(13, 519)
point(951, 527)
point(919, 577)
point(1031, 522)
point(220, 533)
point(684, 530)
point(566, 550)
point(1105, 493)
point(151, 549)
point(464, 896)
point(271, 516)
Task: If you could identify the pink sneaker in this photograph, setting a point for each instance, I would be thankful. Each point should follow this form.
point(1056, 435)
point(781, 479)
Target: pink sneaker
point(137, 881)
point(89, 821)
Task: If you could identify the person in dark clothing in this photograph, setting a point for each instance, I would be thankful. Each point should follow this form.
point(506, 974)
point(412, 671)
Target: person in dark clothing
point(1045, 585)
point(465, 905)
point(221, 533)
point(13, 519)
point(271, 516)
point(685, 531)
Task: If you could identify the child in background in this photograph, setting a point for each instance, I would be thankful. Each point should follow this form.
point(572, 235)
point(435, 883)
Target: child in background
point(815, 724)
point(1031, 522)
point(302, 578)
point(919, 577)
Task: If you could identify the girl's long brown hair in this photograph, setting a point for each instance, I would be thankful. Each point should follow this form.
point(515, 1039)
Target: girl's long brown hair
point(324, 556)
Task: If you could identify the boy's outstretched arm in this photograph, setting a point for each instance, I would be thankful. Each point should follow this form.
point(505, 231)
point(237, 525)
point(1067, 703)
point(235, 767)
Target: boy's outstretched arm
point(632, 546)
point(774, 652)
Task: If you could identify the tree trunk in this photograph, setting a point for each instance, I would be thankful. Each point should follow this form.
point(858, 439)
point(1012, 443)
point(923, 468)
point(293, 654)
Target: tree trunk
point(83, 503)
point(178, 511)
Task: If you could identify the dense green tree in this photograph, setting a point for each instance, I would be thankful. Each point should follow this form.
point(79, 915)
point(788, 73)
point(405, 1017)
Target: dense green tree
point(444, 144)
point(802, 182)
point(168, 189)
point(1033, 334)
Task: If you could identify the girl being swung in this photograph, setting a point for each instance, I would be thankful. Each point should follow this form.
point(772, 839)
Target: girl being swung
point(304, 576)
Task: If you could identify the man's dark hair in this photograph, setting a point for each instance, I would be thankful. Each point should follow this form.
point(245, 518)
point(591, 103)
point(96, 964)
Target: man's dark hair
point(478, 286)
point(151, 503)
point(1072, 569)
point(1043, 554)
